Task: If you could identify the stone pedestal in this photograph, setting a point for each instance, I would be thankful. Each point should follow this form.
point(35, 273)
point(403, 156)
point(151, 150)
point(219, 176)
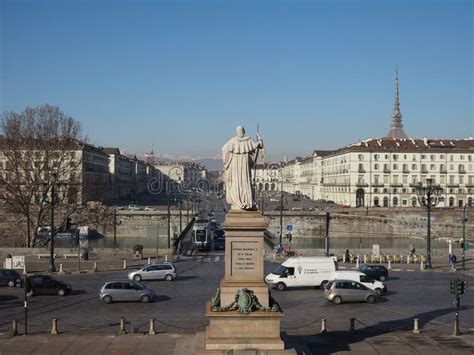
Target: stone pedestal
point(244, 258)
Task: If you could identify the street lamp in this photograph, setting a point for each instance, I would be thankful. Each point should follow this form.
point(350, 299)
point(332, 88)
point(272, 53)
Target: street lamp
point(429, 197)
point(51, 266)
point(464, 220)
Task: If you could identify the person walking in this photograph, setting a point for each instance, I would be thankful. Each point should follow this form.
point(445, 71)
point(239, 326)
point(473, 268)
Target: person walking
point(348, 256)
point(453, 262)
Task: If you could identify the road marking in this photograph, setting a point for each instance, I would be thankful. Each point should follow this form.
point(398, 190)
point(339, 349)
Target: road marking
point(216, 259)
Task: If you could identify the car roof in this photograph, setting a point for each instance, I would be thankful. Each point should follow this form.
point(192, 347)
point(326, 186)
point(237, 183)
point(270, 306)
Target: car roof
point(124, 280)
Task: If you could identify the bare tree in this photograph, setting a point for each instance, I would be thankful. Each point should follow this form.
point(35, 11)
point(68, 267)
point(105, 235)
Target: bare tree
point(36, 145)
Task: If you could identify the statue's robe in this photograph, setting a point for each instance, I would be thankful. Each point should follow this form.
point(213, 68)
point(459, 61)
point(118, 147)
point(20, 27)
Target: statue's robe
point(238, 155)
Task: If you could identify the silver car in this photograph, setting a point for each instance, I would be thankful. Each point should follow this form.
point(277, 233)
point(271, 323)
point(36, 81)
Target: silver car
point(338, 291)
point(157, 271)
point(127, 290)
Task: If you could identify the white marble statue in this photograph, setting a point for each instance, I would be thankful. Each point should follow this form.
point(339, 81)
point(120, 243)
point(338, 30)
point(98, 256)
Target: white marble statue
point(240, 155)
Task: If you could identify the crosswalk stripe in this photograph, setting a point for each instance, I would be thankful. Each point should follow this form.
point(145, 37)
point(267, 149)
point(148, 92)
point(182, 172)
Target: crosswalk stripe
point(217, 258)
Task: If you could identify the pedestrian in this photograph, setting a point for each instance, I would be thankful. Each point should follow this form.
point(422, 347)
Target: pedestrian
point(453, 262)
point(348, 256)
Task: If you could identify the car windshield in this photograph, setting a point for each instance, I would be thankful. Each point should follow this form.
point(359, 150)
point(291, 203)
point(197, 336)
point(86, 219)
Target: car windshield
point(365, 278)
point(139, 286)
point(279, 270)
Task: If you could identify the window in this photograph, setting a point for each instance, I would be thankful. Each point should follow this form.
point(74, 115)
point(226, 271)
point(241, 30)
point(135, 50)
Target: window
point(451, 201)
point(376, 201)
point(376, 157)
point(413, 201)
point(423, 156)
point(116, 286)
point(395, 166)
point(432, 157)
point(385, 201)
point(376, 167)
point(405, 202)
point(395, 157)
point(128, 286)
point(395, 201)
point(361, 156)
point(432, 167)
point(413, 166)
point(386, 156)
point(343, 285)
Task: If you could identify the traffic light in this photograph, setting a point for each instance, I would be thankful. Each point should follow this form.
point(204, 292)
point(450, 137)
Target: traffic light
point(460, 287)
point(453, 286)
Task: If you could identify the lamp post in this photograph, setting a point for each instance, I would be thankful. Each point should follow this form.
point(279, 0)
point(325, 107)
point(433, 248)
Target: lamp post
point(52, 267)
point(429, 197)
point(464, 220)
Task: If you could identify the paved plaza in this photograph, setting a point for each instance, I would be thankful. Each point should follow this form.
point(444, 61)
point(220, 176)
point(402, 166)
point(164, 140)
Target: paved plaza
point(179, 309)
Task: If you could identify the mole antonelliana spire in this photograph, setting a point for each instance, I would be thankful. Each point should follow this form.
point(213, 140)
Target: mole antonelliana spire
point(396, 128)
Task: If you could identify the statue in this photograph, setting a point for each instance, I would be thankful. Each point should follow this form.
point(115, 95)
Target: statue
point(240, 156)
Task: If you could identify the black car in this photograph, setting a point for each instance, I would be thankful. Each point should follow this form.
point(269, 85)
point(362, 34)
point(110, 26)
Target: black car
point(46, 285)
point(10, 278)
point(219, 244)
point(377, 272)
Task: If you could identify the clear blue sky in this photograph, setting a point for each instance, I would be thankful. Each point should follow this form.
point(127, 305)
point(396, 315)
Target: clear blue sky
point(182, 74)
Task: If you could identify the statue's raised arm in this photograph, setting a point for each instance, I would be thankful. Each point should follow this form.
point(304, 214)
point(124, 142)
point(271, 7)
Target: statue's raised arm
point(239, 157)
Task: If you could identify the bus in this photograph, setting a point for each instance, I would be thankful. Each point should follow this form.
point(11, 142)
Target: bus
point(202, 235)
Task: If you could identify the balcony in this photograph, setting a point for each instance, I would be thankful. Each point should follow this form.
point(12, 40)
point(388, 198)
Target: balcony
point(406, 170)
point(424, 171)
point(361, 171)
point(453, 185)
point(386, 170)
point(396, 184)
point(414, 184)
point(362, 184)
point(461, 171)
point(443, 171)
point(377, 184)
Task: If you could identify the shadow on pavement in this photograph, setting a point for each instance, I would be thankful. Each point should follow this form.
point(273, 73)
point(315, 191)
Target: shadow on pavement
point(339, 341)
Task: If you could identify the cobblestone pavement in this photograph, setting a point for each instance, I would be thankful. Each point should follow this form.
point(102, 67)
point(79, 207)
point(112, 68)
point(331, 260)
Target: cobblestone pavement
point(179, 307)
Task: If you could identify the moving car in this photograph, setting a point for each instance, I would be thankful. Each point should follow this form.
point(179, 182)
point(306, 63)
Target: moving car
point(377, 272)
point(303, 271)
point(338, 291)
point(133, 208)
point(46, 285)
point(157, 271)
point(365, 280)
point(219, 244)
point(147, 208)
point(10, 278)
point(125, 290)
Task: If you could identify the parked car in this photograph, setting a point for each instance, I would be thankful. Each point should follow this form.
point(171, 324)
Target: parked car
point(338, 291)
point(47, 285)
point(125, 290)
point(157, 271)
point(377, 272)
point(133, 208)
point(10, 278)
point(365, 280)
point(148, 208)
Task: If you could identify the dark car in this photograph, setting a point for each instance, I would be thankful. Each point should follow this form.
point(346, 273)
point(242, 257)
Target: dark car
point(219, 243)
point(10, 278)
point(377, 272)
point(46, 285)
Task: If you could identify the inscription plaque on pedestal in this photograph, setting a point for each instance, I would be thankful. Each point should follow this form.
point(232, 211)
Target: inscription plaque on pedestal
point(244, 258)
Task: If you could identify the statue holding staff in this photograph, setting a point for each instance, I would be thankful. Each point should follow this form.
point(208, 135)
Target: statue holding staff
point(239, 155)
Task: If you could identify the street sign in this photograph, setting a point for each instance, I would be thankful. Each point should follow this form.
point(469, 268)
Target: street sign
point(289, 227)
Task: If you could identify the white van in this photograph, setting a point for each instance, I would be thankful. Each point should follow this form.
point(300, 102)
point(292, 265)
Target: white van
point(303, 271)
point(354, 275)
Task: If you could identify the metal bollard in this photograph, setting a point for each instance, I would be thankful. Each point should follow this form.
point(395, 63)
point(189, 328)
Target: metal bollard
point(122, 326)
point(149, 260)
point(152, 327)
point(357, 262)
point(365, 259)
point(95, 267)
point(352, 328)
point(166, 257)
point(422, 266)
point(389, 264)
point(61, 271)
point(124, 264)
point(323, 325)
point(54, 327)
point(416, 328)
point(343, 258)
point(14, 328)
point(408, 259)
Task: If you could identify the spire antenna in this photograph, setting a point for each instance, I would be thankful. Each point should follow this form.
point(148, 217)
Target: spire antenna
point(396, 127)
